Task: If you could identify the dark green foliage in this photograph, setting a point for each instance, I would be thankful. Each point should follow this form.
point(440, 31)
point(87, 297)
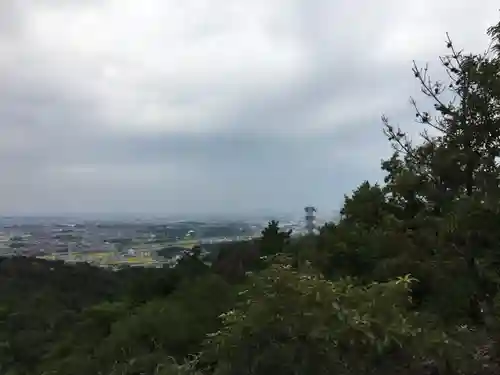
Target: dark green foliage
point(116, 336)
point(288, 322)
point(273, 240)
point(235, 259)
point(40, 301)
point(366, 207)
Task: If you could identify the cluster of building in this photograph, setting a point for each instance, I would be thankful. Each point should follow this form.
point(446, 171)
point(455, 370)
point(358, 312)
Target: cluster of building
point(102, 245)
point(126, 245)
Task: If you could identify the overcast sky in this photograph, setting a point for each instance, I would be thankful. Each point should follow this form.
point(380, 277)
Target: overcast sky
point(209, 106)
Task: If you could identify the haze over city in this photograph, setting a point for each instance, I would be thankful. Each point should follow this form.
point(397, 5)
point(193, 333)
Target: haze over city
point(208, 107)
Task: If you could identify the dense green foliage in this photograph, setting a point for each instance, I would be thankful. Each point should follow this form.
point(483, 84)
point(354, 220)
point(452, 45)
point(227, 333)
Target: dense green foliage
point(405, 283)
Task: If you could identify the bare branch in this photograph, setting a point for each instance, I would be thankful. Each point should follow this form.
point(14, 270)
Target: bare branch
point(424, 118)
point(427, 89)
point(399, 137)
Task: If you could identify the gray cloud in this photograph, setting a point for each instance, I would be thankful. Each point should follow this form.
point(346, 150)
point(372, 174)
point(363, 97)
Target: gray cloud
point(207, 107)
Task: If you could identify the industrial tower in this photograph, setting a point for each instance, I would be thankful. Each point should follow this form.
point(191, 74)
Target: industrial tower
point(310, 219)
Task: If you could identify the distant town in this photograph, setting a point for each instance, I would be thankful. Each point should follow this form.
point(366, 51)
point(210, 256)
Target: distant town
point(119, 244)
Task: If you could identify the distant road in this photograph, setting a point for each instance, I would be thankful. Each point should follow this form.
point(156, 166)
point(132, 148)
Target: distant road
point(228, 239)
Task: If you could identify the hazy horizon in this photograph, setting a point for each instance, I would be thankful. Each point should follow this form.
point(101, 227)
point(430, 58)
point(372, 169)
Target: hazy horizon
point(177, 217)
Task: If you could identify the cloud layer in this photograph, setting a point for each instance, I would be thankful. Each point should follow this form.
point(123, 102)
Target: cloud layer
point(176, 107)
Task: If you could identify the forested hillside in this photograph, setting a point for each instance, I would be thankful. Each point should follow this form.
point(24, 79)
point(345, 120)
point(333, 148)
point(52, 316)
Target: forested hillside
point(405, 283)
